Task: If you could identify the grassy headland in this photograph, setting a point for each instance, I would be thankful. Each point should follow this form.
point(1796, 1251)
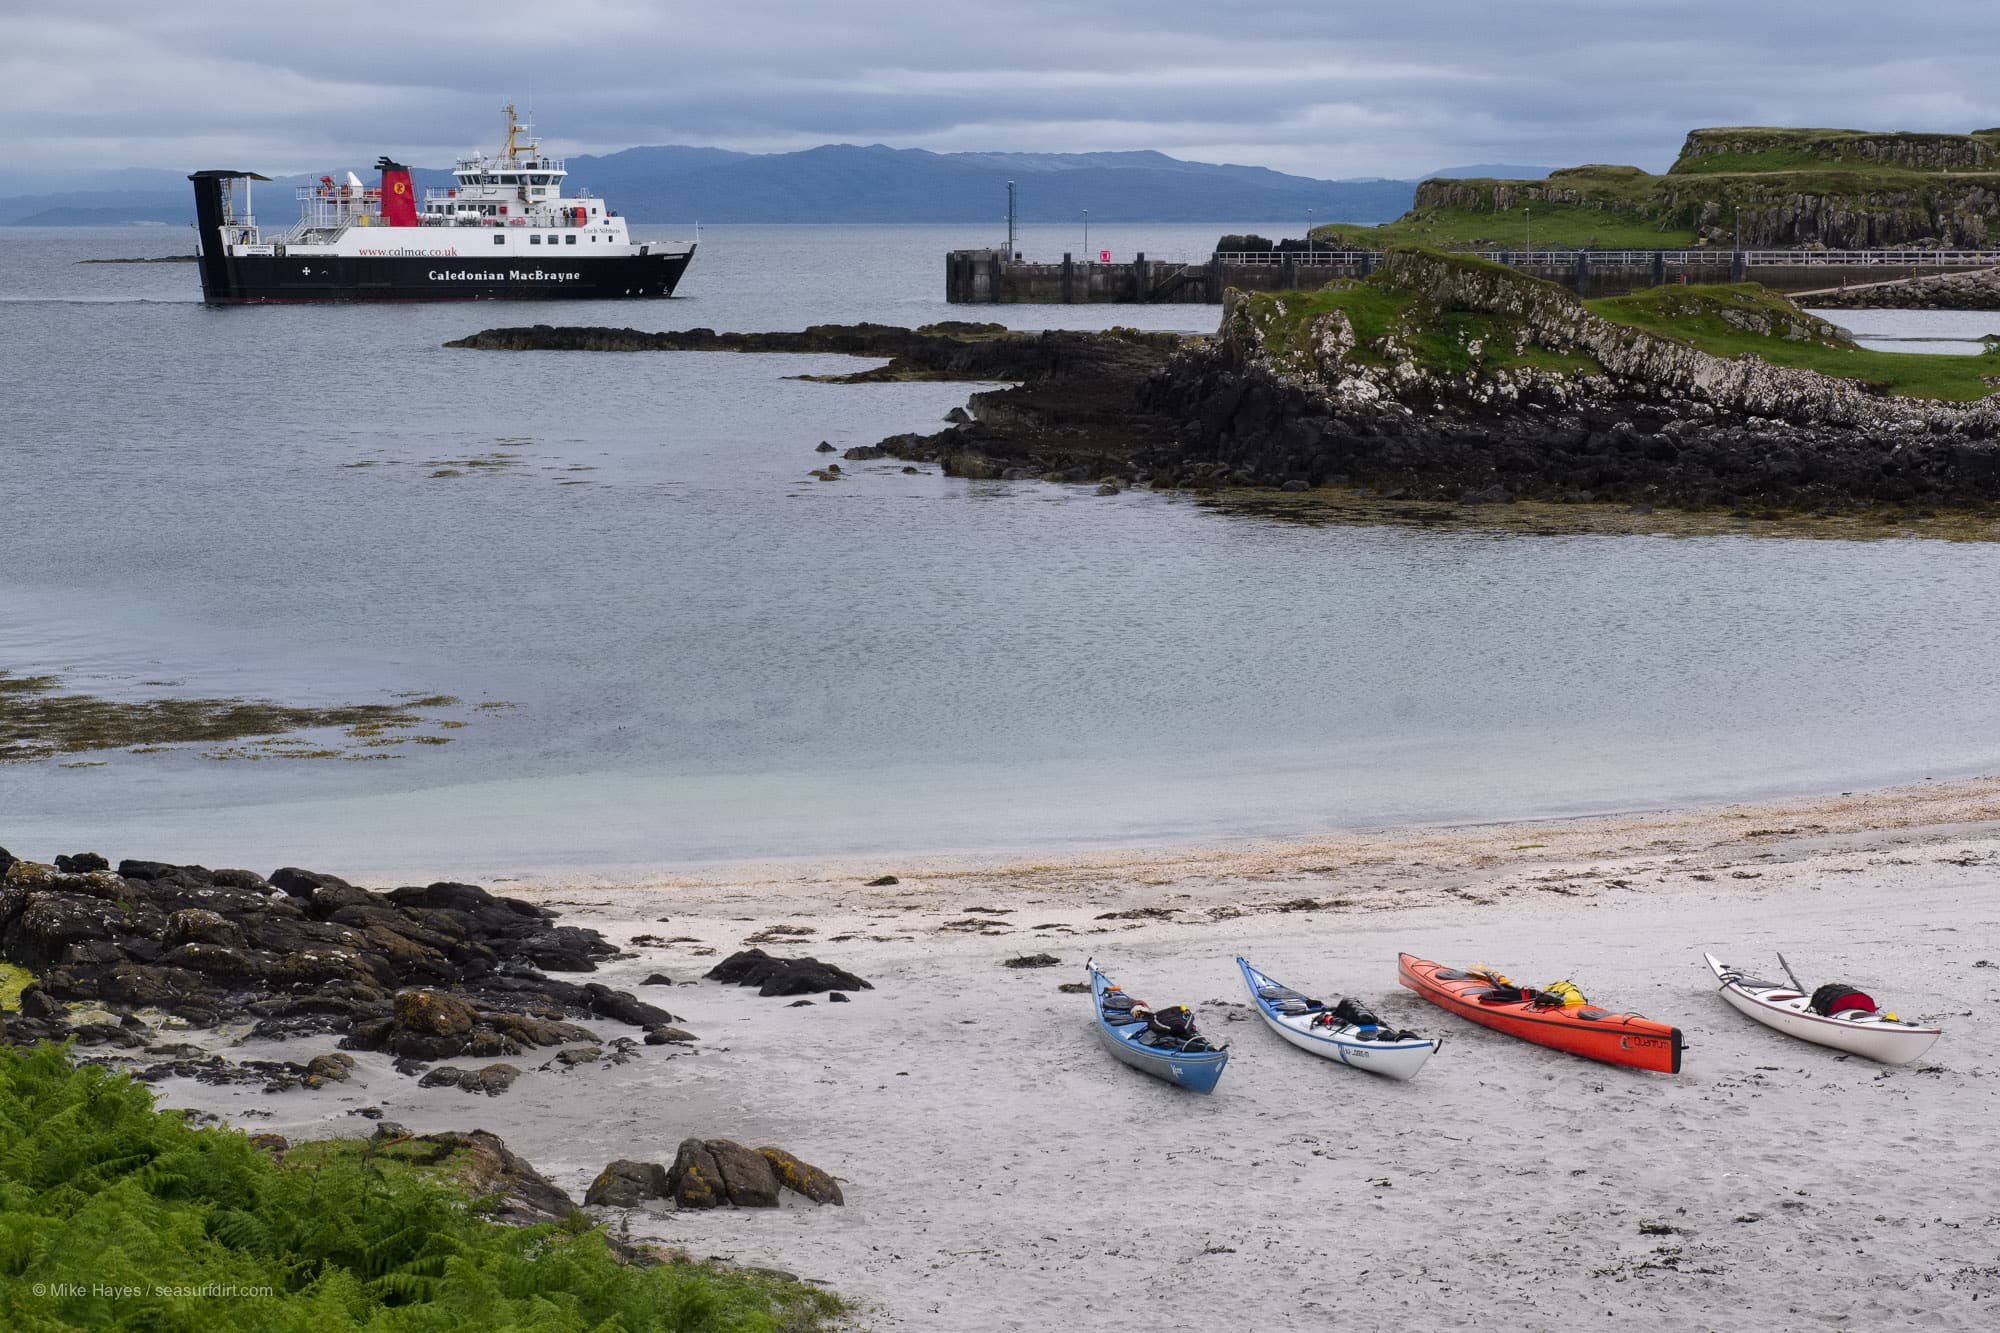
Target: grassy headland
point(1392, 321)
point(1774, 187)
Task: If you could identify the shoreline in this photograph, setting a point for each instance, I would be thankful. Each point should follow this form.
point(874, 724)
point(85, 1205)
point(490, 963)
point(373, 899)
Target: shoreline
point(978, 1132)
point(1967, 802)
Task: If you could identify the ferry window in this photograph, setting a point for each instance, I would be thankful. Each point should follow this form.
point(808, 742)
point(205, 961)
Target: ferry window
point(569, 240)
point(499, 238)
point(535, 239)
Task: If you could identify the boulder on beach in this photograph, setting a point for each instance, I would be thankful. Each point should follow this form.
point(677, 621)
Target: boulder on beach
point(627, 1184)
point(802, 1177)
point(708, 1173)
point(783, 976)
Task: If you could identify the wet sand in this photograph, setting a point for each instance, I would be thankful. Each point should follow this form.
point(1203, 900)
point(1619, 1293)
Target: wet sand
point(1003, 1173)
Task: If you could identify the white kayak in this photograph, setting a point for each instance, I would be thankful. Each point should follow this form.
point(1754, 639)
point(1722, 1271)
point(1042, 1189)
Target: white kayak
point(1324, 1029)
point(1865, 1032)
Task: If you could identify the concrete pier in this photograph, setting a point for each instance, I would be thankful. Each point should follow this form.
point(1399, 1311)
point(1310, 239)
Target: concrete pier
point(992, 277)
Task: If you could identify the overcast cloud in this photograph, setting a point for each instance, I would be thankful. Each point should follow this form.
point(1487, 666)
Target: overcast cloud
point(1320, 88)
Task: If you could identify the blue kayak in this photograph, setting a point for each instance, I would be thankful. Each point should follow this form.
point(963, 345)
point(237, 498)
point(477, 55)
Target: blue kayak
point(1190, 1062)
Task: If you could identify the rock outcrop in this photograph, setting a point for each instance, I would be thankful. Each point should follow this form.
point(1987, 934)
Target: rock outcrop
point(426, 972)
point(783, 976)
point(1641, 418)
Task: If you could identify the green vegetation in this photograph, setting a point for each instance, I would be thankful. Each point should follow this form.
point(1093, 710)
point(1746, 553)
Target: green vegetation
point(1600, 208)
point(1785, 187)
point(13, 980)
point(113, 1214)
point(1445, 342)
point(1770, 148)
point(1393, 321)
point(1727, 320)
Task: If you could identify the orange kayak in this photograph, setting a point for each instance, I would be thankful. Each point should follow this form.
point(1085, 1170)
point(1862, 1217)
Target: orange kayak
point(1595, 1034)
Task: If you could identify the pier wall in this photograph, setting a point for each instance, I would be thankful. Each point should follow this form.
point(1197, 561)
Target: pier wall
point(991, 277)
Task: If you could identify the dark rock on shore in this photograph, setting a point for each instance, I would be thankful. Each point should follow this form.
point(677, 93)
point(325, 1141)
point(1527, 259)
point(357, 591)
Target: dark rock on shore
point(708, 1173)
point(493, 1080)
point(951, 350)
point(783, 976)
point(627, 1184)
point(802, 1177)
point(423, 972)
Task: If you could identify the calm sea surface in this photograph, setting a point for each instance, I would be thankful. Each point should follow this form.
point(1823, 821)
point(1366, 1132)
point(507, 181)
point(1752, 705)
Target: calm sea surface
point(711, 656)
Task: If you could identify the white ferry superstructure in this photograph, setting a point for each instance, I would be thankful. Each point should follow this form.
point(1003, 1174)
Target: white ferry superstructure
point(506, 230)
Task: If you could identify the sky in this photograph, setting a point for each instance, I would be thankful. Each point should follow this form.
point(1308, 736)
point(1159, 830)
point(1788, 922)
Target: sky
point(1320, 88)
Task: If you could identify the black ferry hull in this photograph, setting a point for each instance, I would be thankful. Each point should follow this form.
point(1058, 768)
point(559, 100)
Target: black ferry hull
point(255, 279)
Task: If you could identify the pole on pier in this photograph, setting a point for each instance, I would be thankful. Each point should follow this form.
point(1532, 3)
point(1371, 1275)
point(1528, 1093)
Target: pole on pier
point(1010, 220)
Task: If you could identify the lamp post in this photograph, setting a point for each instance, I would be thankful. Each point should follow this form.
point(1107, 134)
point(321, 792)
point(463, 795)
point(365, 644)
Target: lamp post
point(1309, 231)
point(1086, 236)
point(1527, 231)
point(1010, 220)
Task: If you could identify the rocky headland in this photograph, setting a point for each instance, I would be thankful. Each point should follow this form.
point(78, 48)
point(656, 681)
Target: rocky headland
point(1445, 378)
point(1456, 379)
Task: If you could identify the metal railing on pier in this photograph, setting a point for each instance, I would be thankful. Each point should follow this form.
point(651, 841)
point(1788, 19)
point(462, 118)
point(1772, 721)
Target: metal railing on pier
point(1548, 258)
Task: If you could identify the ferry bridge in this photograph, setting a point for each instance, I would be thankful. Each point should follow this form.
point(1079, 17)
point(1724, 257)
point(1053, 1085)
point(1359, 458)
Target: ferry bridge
point(974, 277)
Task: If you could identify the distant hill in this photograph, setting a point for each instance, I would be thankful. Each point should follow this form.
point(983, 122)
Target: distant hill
point(846, 183)
point(1512, 171)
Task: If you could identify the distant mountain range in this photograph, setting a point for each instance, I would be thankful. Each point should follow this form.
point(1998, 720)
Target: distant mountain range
point(840, 183)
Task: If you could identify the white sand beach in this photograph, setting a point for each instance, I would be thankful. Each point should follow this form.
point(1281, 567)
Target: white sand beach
point(1001, 1172)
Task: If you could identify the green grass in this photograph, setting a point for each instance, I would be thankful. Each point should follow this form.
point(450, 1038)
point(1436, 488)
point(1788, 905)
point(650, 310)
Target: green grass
point(1769, 148)
point(1443, 340)
point(1372, 308)
point(13, 980)
point(1724, 320)
point(114, 1214)
point(1624, 208)
point(1696, 316)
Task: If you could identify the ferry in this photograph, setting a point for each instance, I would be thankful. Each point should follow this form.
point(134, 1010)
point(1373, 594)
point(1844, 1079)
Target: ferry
point(507, 230)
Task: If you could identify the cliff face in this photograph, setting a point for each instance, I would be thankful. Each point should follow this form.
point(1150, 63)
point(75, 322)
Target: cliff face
point(1738, 148)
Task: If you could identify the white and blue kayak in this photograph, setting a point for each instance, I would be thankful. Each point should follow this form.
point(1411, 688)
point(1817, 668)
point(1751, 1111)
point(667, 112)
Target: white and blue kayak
point(1836, 1016)
point(1125, 1027)
point(1343, 1030)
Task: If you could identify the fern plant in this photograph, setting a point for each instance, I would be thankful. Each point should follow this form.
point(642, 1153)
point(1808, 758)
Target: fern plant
point(114, 1214)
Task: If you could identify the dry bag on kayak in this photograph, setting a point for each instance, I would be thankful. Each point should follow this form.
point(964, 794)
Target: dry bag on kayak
point(1837, 996)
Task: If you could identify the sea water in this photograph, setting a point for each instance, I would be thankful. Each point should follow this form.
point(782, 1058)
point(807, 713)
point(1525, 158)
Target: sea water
point(708, 655)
